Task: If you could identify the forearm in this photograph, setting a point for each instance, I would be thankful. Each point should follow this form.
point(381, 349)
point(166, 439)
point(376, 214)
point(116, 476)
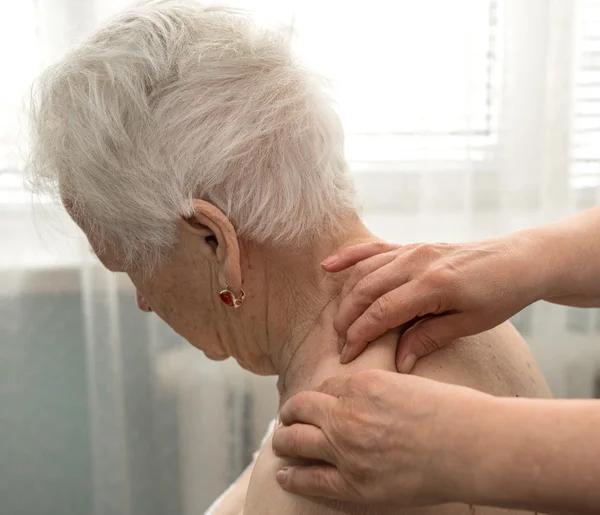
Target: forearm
point(566, 257)
point(541, 455)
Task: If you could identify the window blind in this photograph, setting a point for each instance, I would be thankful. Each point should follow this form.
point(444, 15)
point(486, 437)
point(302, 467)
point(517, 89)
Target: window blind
point(414, 82)
point(585, 136)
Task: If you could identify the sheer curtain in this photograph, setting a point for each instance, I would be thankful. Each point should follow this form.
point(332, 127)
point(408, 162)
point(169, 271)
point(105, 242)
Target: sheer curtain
point(464, 119)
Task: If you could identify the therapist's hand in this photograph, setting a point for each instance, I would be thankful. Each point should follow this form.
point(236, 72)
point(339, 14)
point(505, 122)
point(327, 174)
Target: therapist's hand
point(380, 437)
point(449, 290)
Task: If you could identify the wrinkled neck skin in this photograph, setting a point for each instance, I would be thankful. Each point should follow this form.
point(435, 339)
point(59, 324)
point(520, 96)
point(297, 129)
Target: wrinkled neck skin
point(301, 345)
point(310, 360)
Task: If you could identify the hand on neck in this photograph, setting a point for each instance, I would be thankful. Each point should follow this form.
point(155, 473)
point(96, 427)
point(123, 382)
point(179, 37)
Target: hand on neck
point(302, 345)
point(310, 360)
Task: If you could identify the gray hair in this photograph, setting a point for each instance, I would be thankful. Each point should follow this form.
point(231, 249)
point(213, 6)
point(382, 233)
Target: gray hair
point(172, 101)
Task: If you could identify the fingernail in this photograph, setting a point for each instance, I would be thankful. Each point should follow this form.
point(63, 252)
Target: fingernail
point(408, 364)
point(329, 261)
point(344, 354)
point(282, 476)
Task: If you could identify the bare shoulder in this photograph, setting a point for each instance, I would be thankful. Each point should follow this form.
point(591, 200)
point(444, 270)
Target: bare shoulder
point(265, 497)
point(498, 362)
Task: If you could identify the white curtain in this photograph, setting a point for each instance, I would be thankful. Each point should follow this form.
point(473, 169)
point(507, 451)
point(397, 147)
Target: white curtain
point(464, 119)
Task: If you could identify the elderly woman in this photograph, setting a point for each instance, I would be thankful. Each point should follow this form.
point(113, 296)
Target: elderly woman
point(202, 160)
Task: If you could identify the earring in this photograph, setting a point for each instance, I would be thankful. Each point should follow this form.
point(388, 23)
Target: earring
point(228, 297)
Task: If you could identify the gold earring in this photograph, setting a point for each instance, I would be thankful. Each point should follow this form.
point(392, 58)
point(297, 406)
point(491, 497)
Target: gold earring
point(229, 299)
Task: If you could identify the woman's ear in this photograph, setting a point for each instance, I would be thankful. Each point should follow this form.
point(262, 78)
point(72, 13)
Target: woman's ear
point(215, 237)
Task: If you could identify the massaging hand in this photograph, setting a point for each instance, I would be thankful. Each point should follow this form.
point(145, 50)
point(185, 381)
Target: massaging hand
point(450, 290)
point(379, 437)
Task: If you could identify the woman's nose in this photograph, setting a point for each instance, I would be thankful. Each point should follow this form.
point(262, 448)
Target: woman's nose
point(142, 303)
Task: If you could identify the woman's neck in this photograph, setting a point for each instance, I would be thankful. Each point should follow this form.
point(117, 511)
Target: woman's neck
point(310, 360)
point(302, 345)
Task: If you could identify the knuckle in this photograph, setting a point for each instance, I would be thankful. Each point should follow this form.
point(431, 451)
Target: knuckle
point(382, 247)
point(363, 289)
point(295, 441)
point(279, 443)
point(439, 277)
point(298, 403)
point(427, 252)
point(315, 480)
point(369, 376)
point(325, 482)
point(427, 342)
point(372, 389)
point(361, 379)
point(301, 398)
point(410, 247)
point(379, 311)
point(359, 271)
point(423, 251)
point(330, 383)
point(368, 383)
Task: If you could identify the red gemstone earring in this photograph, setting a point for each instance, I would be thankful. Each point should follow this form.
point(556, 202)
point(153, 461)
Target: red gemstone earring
point(228, 297)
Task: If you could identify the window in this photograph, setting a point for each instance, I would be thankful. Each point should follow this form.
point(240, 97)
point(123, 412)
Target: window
point(413, 81)
point(420, 86)
point(585, 149)
point(20, 61)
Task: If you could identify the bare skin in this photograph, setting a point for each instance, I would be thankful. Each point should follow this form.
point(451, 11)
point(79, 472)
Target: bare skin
point(373, 431)
point(520, 453)
point(465, 288)
point(497, 362)
point(233, 502)
point(285, 326)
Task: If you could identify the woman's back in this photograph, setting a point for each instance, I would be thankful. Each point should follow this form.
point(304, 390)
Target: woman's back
point(497, 362)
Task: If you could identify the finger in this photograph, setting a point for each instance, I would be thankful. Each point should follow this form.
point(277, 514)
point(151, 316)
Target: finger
point(349, 256)
point(364, 269)
point(315, 481)
point(391, 310)
point(375, 282)
point(306, 408)
point(336, 386)
point(426, 336)
point(302, 441)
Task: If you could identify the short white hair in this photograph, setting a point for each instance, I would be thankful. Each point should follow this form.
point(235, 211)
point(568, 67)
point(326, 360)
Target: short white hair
point(172, 101)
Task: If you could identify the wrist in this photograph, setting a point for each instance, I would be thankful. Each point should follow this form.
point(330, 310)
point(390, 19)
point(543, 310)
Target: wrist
point(465, 443)
point(542, 262)
point(505, 463)
point(484, 454)
point(488, 454)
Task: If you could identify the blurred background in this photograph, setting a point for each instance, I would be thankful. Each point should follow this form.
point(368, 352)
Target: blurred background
point(464, 119)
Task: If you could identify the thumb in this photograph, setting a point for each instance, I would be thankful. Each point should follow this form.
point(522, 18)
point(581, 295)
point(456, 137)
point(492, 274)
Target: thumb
point(426, 336)
point(313, 481)
point(336, 386)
